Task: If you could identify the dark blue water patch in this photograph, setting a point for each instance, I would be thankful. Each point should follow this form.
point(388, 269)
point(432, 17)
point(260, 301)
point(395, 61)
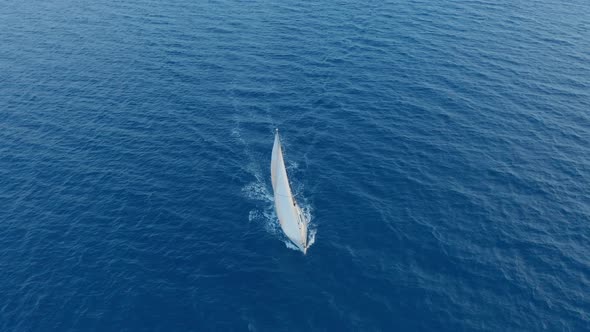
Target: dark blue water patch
point(440, 148)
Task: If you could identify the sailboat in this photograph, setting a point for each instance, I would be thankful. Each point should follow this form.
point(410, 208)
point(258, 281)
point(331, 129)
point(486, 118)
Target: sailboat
point(292, 220)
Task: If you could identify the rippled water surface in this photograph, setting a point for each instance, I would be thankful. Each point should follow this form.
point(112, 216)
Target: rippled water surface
point(442, 149)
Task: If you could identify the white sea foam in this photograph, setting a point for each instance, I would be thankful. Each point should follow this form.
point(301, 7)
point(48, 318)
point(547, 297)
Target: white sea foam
point(311, 226)
point(311, 236)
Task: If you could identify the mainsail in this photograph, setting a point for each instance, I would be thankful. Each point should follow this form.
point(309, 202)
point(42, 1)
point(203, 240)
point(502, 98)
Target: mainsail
point(289, 213)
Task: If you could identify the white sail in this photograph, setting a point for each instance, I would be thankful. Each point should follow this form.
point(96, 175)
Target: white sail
point(290, 216)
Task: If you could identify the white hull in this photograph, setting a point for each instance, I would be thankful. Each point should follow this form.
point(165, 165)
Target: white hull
point(291, 218)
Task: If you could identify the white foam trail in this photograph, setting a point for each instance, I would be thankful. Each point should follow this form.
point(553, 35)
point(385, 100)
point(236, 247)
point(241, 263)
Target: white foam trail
point(311, 237)
point(264, 213)
point(311, 227)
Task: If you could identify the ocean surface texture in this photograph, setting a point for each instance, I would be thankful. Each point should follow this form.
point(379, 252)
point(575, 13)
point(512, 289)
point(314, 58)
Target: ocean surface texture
point(441, 148)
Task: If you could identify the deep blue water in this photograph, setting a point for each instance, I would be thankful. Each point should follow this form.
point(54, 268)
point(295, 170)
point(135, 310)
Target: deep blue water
point(441, 147)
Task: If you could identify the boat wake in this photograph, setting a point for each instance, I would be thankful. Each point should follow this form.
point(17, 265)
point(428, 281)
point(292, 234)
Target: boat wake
point(264, 212)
